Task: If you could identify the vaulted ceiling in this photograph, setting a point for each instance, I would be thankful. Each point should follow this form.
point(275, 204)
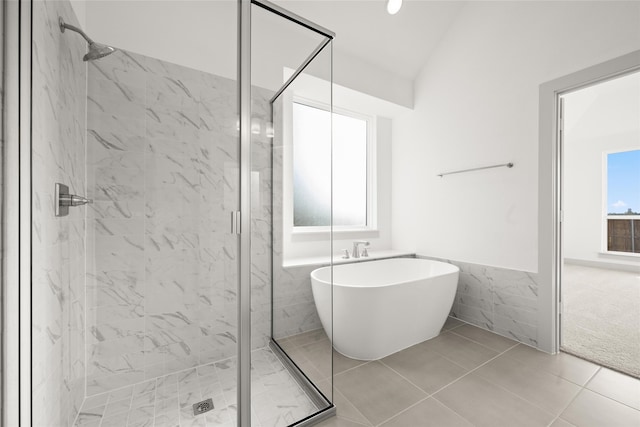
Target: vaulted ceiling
point(400, 43)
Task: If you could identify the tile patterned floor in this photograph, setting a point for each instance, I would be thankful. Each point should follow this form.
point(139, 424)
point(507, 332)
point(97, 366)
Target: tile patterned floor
point(471, 377)
point(167, 401)
point(464, 377)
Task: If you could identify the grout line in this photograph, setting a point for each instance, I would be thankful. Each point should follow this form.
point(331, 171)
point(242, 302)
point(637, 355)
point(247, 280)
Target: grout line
point(355, 367)
point(466, 374)
point(177, 392)
point(604, 395)
point(445, 386)
point(594, 362)
point(582, 388)
point(536, 366)
point(484, 345)
point(404, 378)
point(429, 395)
point(532, 403)
point(354, 407)
point(406, 409)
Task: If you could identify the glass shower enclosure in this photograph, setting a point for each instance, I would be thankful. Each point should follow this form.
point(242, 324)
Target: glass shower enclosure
point(157, 165)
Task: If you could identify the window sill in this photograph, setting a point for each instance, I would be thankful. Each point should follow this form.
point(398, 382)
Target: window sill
point(326, 230)
point(620, 254)
point(311, 235)
point(337, 259)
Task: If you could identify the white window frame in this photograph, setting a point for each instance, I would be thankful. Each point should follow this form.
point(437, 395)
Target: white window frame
point(372, 199)
point(605, 208)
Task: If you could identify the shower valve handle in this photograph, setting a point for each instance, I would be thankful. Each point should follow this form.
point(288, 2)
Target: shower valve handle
point(63, 200)
point(73, 200)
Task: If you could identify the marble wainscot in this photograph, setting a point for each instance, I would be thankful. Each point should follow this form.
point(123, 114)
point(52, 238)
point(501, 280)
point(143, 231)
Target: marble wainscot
point(498, 299)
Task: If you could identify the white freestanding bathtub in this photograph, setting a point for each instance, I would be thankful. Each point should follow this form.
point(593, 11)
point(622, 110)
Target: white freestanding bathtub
point(381, 307)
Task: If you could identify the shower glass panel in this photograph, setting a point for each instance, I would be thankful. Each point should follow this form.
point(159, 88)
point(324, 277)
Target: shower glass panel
point(136, 184)
point(134, 293)
point(290, 62)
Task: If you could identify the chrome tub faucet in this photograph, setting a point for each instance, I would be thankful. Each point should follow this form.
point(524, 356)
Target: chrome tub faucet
point(356, 249)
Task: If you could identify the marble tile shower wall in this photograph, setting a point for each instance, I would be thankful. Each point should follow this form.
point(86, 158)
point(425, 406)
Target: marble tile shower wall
point(500, 300)
point(163, 171)
point(58, 275)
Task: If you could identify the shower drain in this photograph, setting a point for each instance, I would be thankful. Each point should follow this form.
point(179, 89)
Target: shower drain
point(202, 407)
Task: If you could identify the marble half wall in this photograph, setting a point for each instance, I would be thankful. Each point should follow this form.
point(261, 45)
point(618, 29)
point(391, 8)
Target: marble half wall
point(58, 243)
point(294, 310)
point(163, 170)
point(501, 300)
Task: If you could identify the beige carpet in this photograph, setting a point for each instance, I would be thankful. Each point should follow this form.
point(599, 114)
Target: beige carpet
point(602, 317)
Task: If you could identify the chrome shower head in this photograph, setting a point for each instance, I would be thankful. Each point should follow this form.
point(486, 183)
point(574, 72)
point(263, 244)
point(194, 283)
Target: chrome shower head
point(96, 50)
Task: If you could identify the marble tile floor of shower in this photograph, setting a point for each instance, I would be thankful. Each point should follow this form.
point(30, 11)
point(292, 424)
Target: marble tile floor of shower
point(167, 401)
point(468, 376)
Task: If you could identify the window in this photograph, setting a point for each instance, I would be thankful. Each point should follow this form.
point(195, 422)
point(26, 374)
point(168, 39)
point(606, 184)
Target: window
point(623, 201)
point(312, 168)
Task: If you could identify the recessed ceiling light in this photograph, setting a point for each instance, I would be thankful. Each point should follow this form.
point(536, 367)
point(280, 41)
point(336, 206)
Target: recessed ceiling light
point(393, 6)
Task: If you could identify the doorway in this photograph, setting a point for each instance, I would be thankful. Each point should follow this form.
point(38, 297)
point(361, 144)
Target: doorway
point(599, 265)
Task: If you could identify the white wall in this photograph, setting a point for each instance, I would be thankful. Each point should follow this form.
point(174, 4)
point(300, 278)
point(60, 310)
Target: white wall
point(476, 103)
point(196, 34)
point(598, 120)
point(80, 9)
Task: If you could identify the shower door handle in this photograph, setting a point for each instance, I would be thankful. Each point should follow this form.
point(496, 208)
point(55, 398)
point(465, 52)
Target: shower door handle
point(235, 222)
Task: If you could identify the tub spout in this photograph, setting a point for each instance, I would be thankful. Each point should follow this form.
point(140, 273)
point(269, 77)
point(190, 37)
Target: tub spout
point(356, 250)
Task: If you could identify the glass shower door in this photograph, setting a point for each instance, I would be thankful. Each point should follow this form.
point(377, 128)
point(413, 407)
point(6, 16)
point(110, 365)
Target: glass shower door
point(135, 206)
point(292, 375)
point(134, 289)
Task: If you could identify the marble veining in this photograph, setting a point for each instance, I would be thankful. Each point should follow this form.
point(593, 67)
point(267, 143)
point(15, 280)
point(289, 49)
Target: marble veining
point(162, 164)
point(58, 141)
point(167, 400)
point(501, 300)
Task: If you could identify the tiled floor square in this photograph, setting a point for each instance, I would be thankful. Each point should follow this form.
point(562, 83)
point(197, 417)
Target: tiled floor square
point(377, 391)
point(460, 350)
point(428, 413)
point(590, 409)
point(614, 385)
point(564, 365)
point(544, 390)
point(425, 368)
point(487, 404)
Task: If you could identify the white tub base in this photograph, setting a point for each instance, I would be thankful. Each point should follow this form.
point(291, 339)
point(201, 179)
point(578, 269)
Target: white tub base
point(381, 307)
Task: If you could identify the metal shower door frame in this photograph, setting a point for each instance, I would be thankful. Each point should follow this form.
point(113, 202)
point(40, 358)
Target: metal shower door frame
point(244, 266)
point(16, 381)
